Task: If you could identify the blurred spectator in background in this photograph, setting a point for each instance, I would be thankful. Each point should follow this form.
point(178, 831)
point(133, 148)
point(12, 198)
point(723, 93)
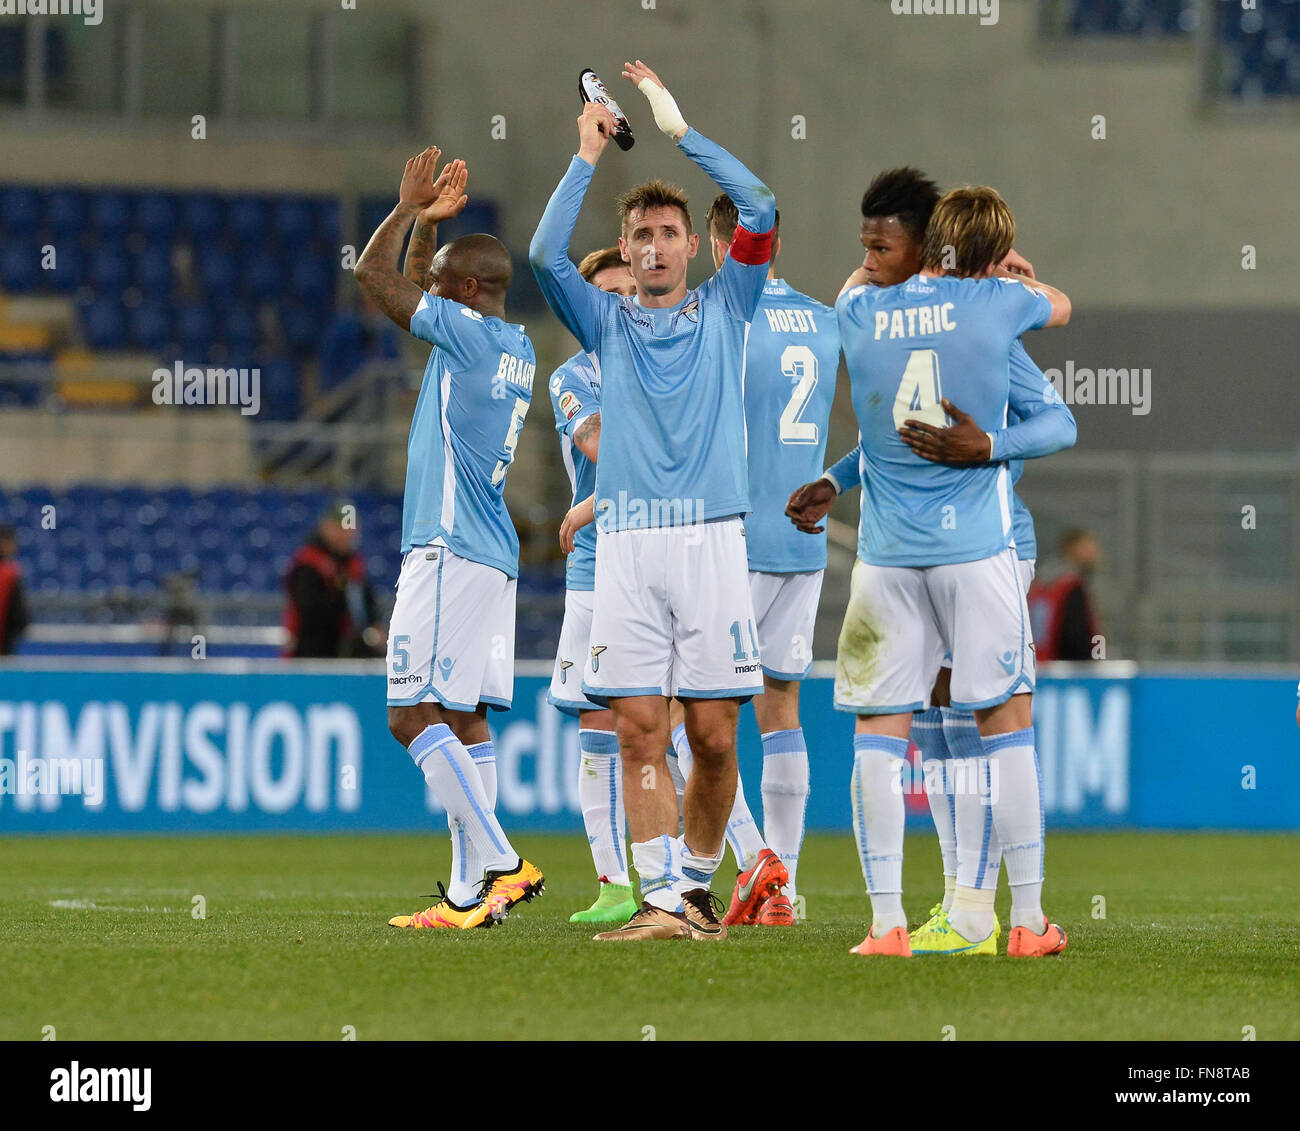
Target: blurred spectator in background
point(13, 606)
point(355, 338)
point(1064, 621)
point(332, 611)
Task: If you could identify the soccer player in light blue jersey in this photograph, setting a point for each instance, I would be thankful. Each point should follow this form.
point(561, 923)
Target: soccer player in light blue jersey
point(575, 400)
point(673, 615)
point(936, 568)
point(791, 359)
point(451, 638)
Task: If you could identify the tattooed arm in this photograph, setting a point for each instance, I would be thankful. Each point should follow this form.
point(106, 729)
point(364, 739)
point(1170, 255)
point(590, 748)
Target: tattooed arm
point(419, 252)
point(376, 271)
point(586, 438)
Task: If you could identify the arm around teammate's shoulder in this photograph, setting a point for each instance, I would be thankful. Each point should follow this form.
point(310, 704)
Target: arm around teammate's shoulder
point(1059, 300)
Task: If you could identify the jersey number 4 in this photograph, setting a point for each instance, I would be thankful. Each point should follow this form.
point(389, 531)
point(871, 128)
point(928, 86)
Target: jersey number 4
point(512, 441)
point(919, 392)
point(799, 363)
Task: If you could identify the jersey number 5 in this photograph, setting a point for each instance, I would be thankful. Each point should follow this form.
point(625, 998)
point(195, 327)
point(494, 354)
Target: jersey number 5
point(919, 392)
point(799, 363)
point(512, 441)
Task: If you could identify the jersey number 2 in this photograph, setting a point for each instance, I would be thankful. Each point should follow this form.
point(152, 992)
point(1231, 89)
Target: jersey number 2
point(799, 363)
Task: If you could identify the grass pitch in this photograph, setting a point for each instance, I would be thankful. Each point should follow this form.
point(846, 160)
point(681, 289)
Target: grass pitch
point(1200, 937)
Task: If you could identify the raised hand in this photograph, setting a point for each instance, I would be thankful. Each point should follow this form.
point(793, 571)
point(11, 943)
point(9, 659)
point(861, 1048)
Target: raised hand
point(417, 179)
point(962, 444)
point(449, 196)
point(596, 125)
point(635, 72)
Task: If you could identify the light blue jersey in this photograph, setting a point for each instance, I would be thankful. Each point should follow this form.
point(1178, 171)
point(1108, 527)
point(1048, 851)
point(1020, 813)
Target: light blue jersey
point(476, 390)
point(575, 396)
point(673, 418)
point(791, 360)
point(1039, 424)
point(906, 347)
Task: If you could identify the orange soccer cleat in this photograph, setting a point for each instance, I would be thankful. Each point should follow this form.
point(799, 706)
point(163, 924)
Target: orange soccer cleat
point(1023, 943)
point(778, 911)
point(754, 888)
point(894, 942)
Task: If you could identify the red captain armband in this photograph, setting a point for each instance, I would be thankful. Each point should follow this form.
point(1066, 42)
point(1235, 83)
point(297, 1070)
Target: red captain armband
point(750, 248)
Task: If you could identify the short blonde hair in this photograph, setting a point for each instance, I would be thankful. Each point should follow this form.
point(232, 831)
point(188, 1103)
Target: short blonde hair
point(653, 194)
point(976, 223)
point(594, 262)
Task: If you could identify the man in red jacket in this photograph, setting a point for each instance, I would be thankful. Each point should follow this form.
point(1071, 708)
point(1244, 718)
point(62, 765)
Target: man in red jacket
point(332, 611)
point(13, 606)
point(1064, 621)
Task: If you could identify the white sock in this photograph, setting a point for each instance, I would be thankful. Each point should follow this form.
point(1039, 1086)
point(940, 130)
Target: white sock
point(456, 783)
point(658, 867)
point(466, 864)
point(878, 816)
point(785, 797)
point(1016, 794)
point(600, 792)
point(927, 733)
point(742, 830)
point(972, 913)
point(696, 871)
point(977, 838)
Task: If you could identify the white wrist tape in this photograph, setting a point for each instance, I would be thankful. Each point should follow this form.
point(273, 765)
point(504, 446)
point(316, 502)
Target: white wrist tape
point(667, 117)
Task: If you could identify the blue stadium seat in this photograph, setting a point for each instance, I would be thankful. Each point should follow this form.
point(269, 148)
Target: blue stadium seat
point(250, 220)
point(20, 210)
point(194, 331)
point(280, 390)
point(301, 328)
point(312, 280)
point(240, 331)
point(110, 267)
point(103, 324)
point(65, 214)
point(294, 220)
point(70, 267)
point(110, 212)
point(155, 216)
point(218, 270)
point(20, 265)
point(153, 271)
point(328, 225)
point(150, 326)
point(202, 216)
point(263, 278)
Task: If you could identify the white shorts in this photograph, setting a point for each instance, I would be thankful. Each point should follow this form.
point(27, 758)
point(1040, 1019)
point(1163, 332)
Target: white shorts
point(1025, 566)
point(785, 610)
point(565, 691)
point(673, 615)
point(900, 621)
point(451, 639)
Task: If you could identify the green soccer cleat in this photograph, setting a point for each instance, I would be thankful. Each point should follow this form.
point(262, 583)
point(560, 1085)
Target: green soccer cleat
point(936, 936)
point(614, 905)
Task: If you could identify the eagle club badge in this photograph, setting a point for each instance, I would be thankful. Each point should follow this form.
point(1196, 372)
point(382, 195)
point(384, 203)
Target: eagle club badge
point(569, 405)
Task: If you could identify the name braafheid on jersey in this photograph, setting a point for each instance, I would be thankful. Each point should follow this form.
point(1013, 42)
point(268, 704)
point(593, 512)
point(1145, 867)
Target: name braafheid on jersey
point(515, 371)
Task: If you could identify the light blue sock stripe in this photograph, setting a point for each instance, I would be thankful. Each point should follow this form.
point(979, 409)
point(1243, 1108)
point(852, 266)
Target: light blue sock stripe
point(613, 814)
point(860, 824)
point(679, 732)
point(482, 752)
point(961, 733)
point(469, 796)
point(597, 742)
point(784, 742)
point(880, 743)
point(1015, 738)
point(988, 829)
point(1042, 818)
point(431, 738)
point(462, 848)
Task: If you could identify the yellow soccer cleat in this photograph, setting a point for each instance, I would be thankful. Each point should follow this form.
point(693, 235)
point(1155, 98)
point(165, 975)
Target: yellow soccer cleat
point(444, 913)
point(936, 936)
point(502, 890)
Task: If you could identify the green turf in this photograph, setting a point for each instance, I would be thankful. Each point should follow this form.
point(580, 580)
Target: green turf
point(1200, 938)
